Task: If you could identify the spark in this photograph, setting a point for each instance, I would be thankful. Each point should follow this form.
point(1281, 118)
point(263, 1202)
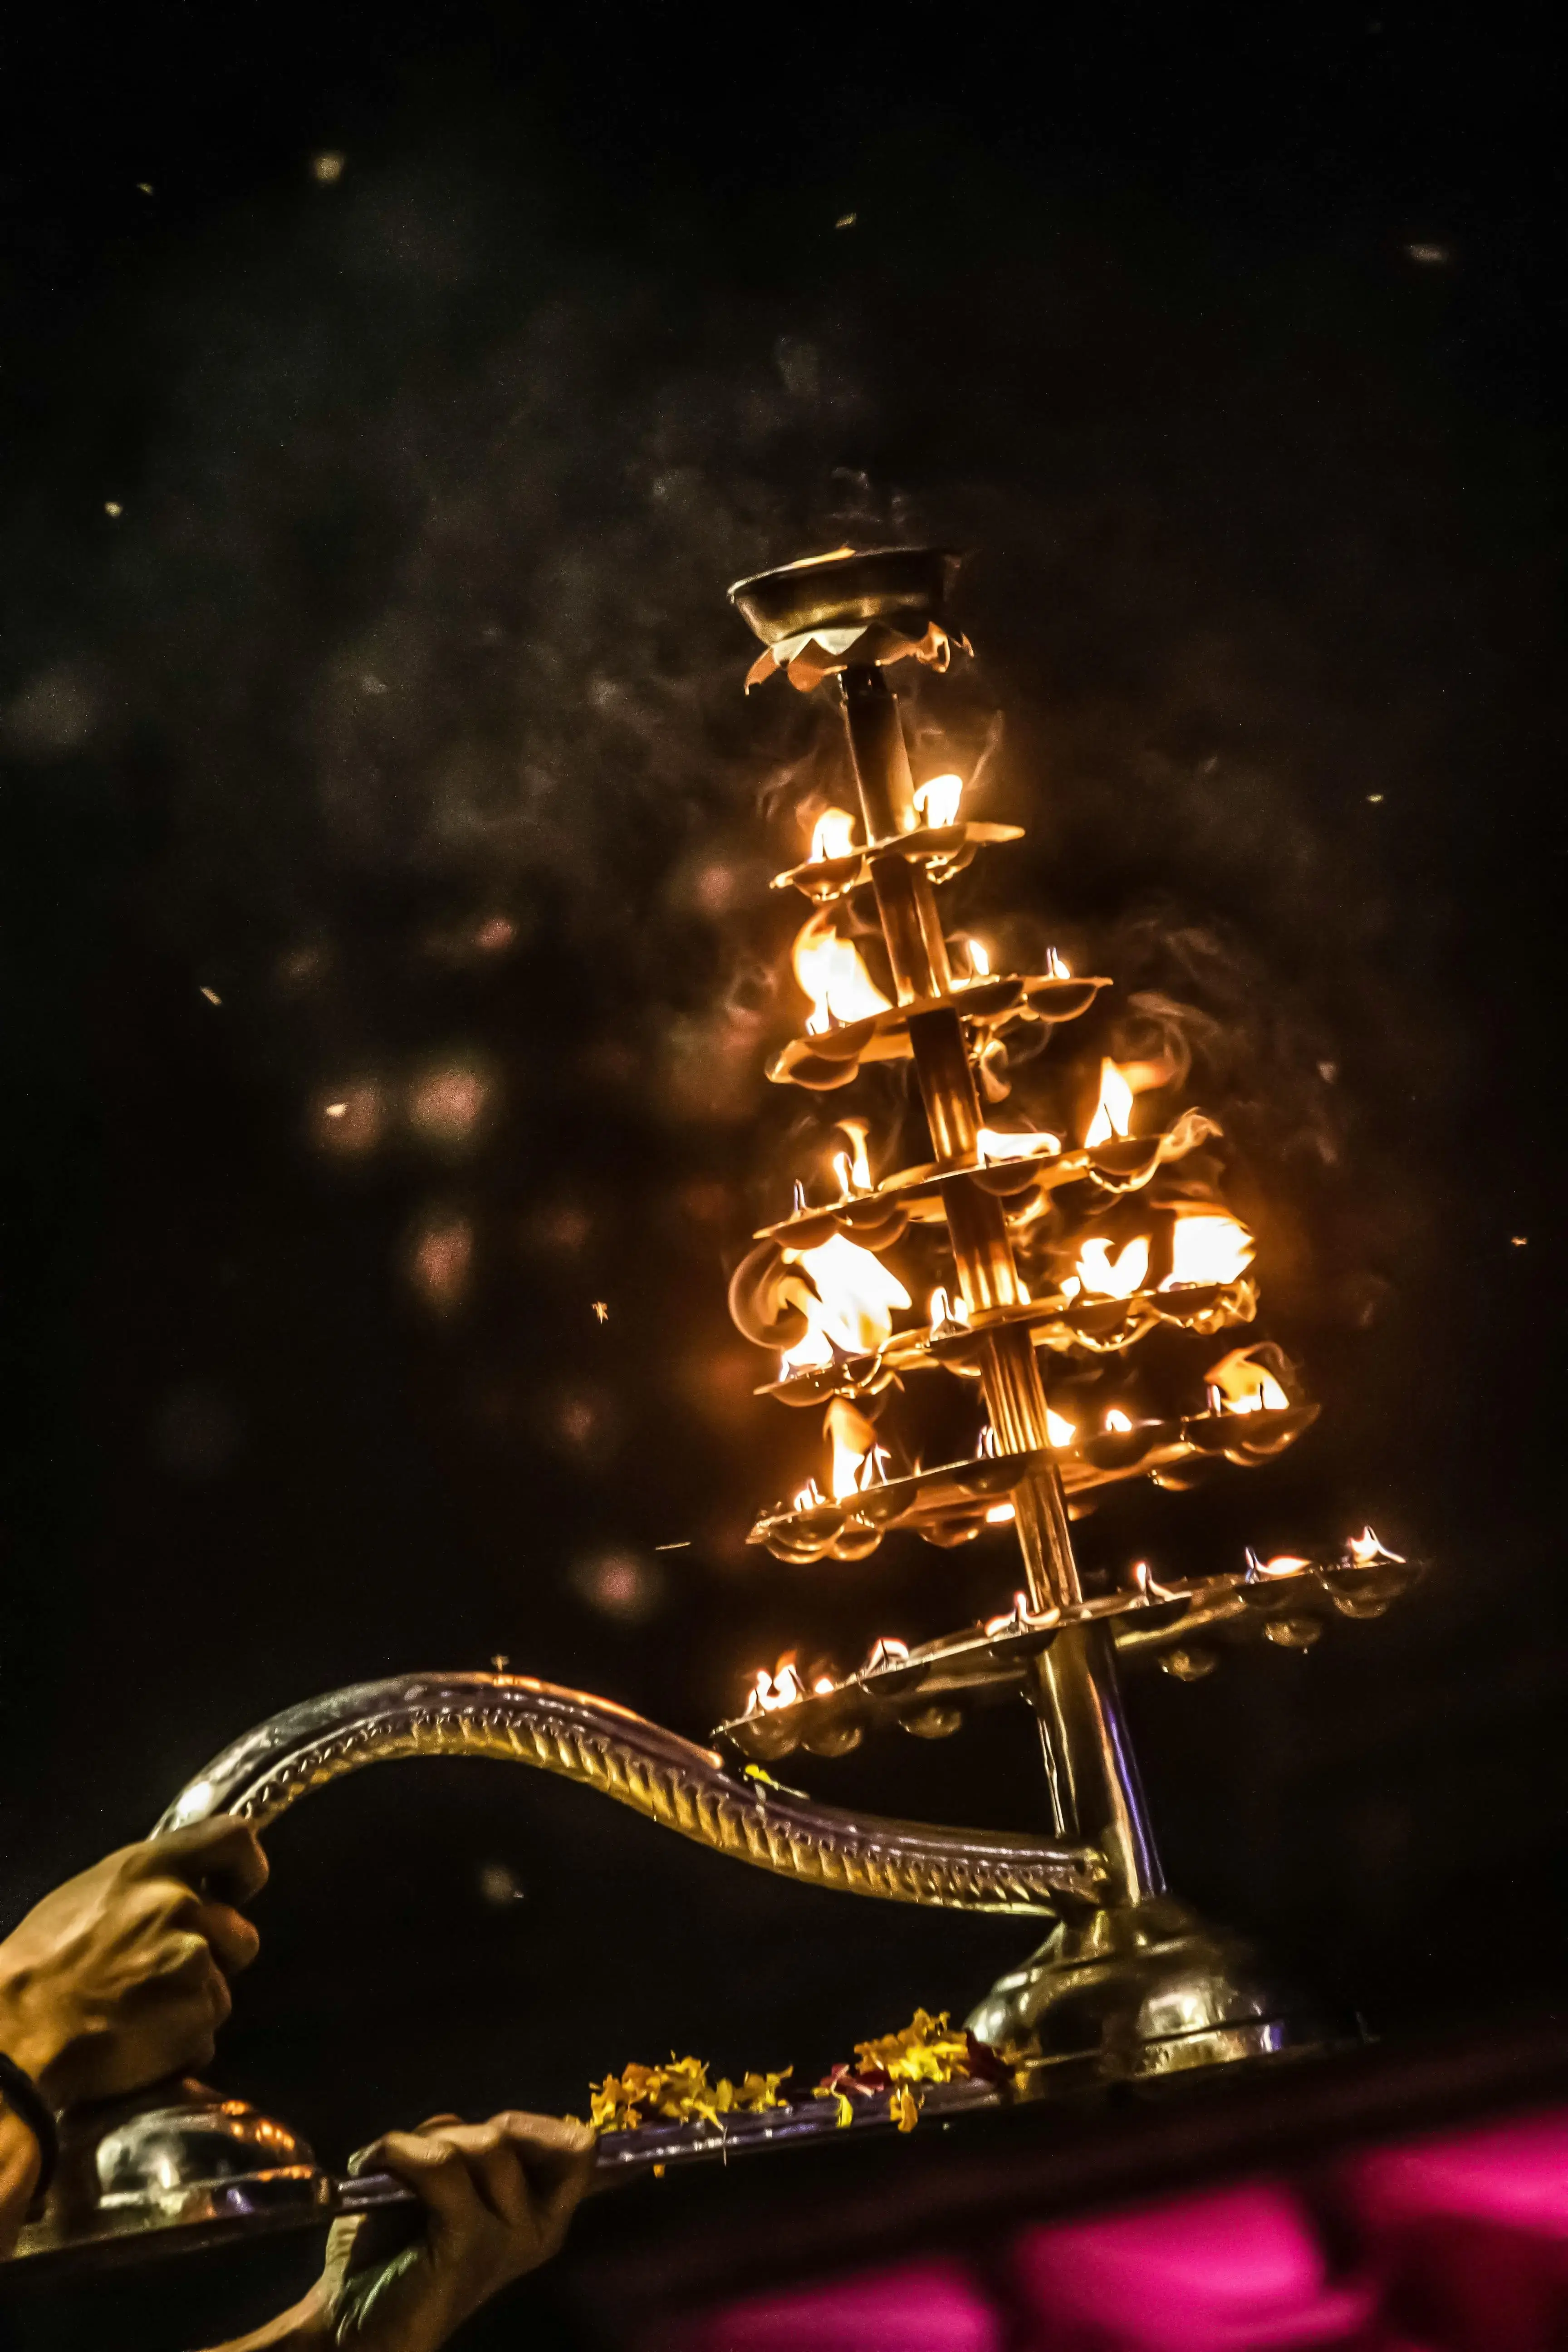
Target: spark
point(684, 1545)
point(601, 1310)
point(335, 1111)
point(1430, 257)
point(327, 167)
point(1520, 1241)
point(1373, 800)
point(212, 996)
point(846, 220)
point(113, 507)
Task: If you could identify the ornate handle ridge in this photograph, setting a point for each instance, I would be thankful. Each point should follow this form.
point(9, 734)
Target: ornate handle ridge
point(669, 1779)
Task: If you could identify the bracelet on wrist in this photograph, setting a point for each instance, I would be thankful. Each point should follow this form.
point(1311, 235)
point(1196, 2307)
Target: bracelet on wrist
point(25, 2099)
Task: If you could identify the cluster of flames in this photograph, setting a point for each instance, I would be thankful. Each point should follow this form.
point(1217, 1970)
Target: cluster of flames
point(849, 1296)
point(1240, 1383)
point(852, 1295)
point(786, 1686)
point(830, 971)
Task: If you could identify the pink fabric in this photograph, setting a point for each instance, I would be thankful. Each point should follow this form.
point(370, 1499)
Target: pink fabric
point(1223, 2272)
point(919, 2307)
point(1464, 2239)
point(1515, 2173)
point(1471, 2233)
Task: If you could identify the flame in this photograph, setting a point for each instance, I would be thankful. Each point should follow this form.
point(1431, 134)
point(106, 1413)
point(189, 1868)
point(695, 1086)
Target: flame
point(857, 1460)
point(1113, 1111)
point(851, 1300)
point(1207, 1249)
point(1016, 1619)
point(1059, 1432)
point(979, 960)
point(937, 799)
point(822, 1685)
point(988, 1449)
point(830, 973)
point(1238, 1383)
point(999, 1514)
point(1284, 1563)
point(852, 1166)
point(1365, 1548)
point(781, 1688)
point(886, 1650)
point(1058, 966)
point(833, 835)
point(947, 1311)
point(1143, 1577)
point(812, 1354)
point(1098, 1275)
point(808, 1498)
point(1117, 1421)
point(1002, 1143)
point(1118, 1083)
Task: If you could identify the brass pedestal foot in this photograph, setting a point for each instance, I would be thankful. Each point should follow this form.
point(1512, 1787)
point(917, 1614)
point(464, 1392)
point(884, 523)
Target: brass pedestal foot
point(1141, 1993)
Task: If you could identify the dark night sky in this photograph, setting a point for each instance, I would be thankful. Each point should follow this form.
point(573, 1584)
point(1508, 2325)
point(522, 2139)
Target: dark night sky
point(398, 705)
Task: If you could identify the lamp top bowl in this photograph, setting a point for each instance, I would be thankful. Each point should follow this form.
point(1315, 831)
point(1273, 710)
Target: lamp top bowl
point(848, 590)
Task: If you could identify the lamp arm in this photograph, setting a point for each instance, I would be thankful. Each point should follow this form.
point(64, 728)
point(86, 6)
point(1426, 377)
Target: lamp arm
point(671, 1780)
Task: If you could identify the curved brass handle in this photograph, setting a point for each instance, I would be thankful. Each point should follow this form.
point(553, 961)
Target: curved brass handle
point(671, 1780)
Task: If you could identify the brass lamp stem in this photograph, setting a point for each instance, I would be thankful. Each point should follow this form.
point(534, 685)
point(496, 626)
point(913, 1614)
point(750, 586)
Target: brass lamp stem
point(1093, 1775)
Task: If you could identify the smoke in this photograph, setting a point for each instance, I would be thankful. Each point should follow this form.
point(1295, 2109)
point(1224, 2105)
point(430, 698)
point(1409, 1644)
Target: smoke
point(407, 655)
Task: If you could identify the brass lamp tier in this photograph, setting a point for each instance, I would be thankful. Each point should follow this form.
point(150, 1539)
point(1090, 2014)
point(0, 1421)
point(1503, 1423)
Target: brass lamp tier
point(1175, 1625)
point(944, 850)
point(953, 1503)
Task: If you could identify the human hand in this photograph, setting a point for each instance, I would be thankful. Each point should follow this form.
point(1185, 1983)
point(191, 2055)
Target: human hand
point(497, 2197)
point(119, 1977)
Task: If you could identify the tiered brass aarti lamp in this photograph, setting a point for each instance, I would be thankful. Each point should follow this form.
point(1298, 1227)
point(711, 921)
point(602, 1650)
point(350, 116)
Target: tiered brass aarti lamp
point(1129, 1985)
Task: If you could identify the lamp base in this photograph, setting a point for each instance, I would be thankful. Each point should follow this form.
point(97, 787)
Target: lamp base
point(1141, 1992)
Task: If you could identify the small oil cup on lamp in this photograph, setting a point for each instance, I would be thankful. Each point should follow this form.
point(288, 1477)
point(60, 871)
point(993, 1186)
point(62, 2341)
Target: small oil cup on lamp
point(1133, 1984)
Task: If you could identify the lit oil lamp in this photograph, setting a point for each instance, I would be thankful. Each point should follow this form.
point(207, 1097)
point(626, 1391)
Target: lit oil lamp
point(1136, 1985)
